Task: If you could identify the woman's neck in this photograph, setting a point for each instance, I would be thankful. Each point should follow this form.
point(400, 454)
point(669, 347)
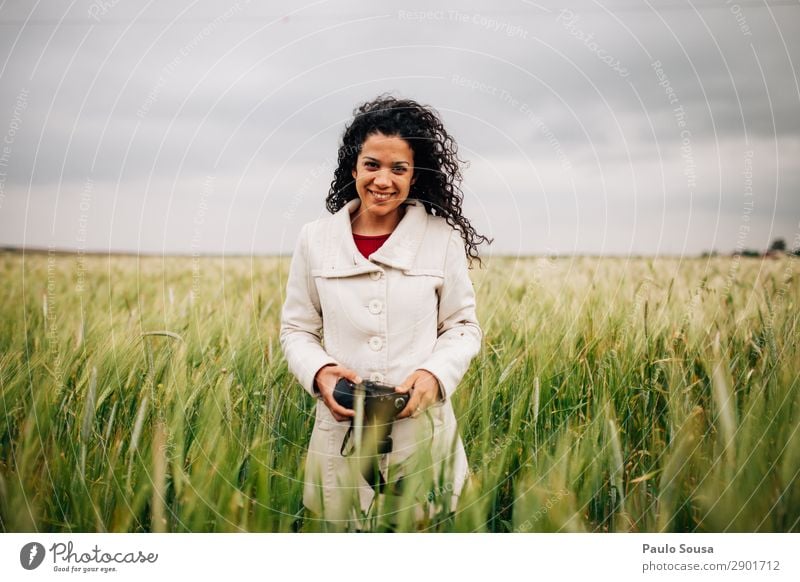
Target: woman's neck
point(366, 224)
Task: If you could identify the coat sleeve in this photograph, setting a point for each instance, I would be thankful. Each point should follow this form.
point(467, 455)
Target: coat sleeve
point(301, 320)
point(458, 333)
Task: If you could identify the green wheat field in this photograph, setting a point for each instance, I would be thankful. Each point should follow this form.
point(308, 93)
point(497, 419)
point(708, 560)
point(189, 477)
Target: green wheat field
point(629, 395)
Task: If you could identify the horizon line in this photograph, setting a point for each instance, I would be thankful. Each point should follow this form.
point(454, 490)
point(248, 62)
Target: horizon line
point(745, 253)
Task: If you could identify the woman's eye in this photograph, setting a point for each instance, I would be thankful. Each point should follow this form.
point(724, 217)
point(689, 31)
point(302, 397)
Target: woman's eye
point(371, 164)
point(399, 169)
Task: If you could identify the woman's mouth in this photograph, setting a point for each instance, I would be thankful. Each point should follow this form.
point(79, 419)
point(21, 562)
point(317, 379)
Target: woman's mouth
point(380, 197)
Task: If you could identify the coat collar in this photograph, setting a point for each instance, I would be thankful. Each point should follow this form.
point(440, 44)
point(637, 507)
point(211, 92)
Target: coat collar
point(400, 249)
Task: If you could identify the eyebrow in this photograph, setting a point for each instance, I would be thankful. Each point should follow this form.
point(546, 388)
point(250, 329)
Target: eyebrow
point(393, 163)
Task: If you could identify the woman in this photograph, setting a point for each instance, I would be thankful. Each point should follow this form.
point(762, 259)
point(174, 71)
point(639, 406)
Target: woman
point(380, 291)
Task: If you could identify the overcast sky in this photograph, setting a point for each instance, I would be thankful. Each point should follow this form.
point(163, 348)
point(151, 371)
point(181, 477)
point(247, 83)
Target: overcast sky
point(614, 127)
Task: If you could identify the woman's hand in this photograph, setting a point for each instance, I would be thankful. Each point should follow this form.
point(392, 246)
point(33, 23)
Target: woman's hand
point(326, 379)
point(425, 393)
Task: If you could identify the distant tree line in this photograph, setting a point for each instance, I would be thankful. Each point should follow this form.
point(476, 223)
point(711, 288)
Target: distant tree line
point(778, 247)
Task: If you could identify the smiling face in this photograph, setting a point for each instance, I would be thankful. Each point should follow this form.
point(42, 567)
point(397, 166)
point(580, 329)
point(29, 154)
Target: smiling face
point(384, 173)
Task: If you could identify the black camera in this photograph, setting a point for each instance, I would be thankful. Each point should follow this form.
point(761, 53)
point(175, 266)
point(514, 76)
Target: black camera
point(381, 405)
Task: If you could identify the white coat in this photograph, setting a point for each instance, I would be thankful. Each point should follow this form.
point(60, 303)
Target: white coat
point(410, 306)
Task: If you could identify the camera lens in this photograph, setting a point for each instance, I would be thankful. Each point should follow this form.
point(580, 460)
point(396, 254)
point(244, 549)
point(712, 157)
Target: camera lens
point(399, 403)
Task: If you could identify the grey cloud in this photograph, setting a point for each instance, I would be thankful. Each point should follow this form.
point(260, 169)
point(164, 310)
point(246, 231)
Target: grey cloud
point(278, 102)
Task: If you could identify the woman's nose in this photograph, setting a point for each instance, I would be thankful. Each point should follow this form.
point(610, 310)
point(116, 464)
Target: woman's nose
point(382, 179)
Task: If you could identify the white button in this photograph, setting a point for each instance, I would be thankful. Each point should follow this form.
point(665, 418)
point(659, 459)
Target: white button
point(375, 275)
point(376, 377)
point(375, 343)
point(375, 306)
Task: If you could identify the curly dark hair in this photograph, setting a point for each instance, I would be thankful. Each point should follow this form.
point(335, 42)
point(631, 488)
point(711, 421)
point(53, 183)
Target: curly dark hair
point(436, 164)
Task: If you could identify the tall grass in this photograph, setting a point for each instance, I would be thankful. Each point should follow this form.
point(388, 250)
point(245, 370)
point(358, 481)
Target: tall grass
point(611, 395)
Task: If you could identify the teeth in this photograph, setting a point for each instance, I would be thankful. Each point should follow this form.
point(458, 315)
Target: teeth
point(380, 196)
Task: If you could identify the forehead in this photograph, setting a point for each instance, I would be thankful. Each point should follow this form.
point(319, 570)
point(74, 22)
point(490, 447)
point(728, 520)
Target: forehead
point(390, 147)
